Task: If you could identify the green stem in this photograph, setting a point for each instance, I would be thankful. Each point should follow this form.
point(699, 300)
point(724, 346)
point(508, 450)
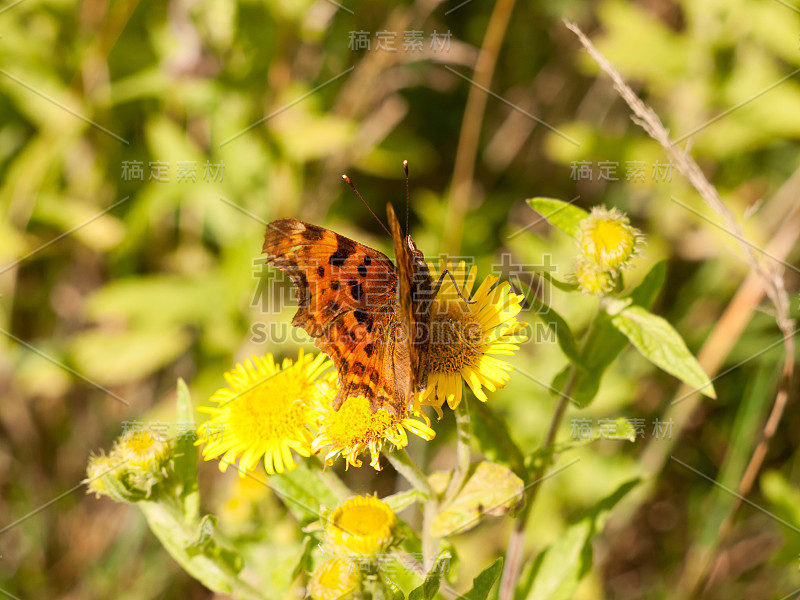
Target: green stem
point(403, 464)
point(430, 543)
point(464, 435)
point(515, 551)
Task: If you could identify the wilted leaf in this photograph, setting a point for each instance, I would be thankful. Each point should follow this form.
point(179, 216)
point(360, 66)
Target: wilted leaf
point(490, 489)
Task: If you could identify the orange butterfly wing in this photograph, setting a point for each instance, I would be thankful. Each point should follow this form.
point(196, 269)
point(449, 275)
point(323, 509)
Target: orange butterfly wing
point(347, 298)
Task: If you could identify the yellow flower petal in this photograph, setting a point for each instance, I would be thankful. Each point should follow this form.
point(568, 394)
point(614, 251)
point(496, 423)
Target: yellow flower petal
point(266, 412)
point(355, 429)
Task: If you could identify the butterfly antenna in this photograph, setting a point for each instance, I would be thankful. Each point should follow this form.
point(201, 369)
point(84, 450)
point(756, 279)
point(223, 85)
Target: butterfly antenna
point(408, 195)
point(350, 183)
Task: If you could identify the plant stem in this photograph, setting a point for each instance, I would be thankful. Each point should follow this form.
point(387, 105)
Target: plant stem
point(403, 464)
point(464, 434)
point(515, 551)
point(469, 137)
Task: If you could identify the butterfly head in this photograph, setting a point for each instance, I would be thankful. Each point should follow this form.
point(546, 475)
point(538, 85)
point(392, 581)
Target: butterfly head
point(416, 255)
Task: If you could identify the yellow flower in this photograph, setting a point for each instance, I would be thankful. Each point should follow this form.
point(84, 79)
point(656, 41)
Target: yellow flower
point(354, 428)
point(335, 579)
point(265, 412)
point(464, 336)
point(100, 466)
point(137, 463)
point(362, 525)
point(607, 240)
point(141, 450)
point(591, 280)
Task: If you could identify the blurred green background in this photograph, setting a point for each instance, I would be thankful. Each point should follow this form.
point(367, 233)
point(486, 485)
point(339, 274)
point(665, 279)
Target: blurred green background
point(133, 192)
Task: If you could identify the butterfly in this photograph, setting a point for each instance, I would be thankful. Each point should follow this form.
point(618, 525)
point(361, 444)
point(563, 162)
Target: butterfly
point(370, 316)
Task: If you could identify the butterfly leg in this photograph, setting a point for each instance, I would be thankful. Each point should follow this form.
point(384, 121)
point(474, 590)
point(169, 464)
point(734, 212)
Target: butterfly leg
point(453, 279)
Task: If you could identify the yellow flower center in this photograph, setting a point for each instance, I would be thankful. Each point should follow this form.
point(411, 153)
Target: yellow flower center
point(142, 444)
point(354, 424)
point(456, 338)
point(611, 237)
point(363, 525)
point(142, 449)
point(607, 239)
point(363, 521)
point(333, 579)
point(269, 411)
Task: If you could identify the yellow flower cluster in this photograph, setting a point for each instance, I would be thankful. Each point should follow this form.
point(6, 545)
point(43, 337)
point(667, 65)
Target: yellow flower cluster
point(357, 532)
point(138, 461)
point(272, 411)
point(607, 244)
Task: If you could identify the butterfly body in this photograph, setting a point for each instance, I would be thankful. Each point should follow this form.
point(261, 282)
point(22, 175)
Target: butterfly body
point(369, 316)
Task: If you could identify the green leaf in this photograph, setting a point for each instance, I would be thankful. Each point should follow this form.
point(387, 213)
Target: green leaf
point(483, 583)
point(204, 543)
point(564, 286)
point(401, 500)
point(118, 357)
point(744, 434)
point(205, 531)
point(559, 327)
point(495, 438)
point(304, 560)
point(196, 549)
point(623, 430)
point(395, 591)
point(303, 492)
point(563, 215)
point(429, 587)
point(656, 339)
point(784, 496)
point(490, 489)
point(185, 458)
point(557, 571)
point(605, 343)
point(647, 291)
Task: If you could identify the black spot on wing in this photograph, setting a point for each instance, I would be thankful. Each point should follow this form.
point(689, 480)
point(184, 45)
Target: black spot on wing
point(357, 369)
point(344, 249)
point(312, 233)
point(321, 271)
point(356, 290)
